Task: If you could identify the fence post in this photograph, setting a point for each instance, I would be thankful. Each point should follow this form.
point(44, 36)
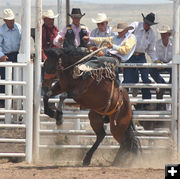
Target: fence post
point(29, 78)
point(37, 81)
point(59, 10)
point(8, 91)
point(175, 82)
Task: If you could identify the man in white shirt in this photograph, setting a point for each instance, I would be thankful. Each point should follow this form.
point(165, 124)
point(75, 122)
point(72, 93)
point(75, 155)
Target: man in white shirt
point(121, 46)
point(103, 29)
point(145, 44)
point(164, 55)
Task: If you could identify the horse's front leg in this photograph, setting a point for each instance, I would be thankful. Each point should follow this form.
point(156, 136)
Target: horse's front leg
point(59, 113)
point(98, 126)
point(50, 93)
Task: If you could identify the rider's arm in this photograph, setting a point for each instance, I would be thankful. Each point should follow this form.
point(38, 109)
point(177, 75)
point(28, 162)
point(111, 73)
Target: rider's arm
point(126, 46)
point(60, 37)
point(98, 40)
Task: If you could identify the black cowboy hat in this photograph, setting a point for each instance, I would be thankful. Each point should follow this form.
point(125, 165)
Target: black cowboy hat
point(149, 19)
point(76, 12)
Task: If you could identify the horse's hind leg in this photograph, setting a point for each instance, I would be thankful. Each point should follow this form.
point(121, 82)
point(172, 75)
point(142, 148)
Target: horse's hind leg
point(97, 125)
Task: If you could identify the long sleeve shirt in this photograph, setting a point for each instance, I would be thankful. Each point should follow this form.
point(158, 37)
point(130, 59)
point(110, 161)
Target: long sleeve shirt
point(123, 47)
point(76, 31)
point(9, 39)
point(107, 33)
point(48, 35)
point(164, 53)
point(145, 40)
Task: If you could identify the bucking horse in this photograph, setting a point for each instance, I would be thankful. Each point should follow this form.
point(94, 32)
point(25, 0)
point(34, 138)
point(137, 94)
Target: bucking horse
point(91, 83)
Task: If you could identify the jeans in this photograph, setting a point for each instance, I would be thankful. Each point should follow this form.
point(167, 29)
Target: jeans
point(12, 57)
point(131, 75)
point(155, 74)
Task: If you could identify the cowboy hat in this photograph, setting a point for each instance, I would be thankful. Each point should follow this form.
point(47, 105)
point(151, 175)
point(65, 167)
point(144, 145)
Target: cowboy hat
point(121, 27)
point(101, 17)
point(8, 14)
point(149, 19)
point(49, 14)
point(76, 12)
point(164, 29)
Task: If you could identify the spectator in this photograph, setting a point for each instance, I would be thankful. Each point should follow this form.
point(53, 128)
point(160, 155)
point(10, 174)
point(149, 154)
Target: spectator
point(164, 55)
point(145, 44)
point(73, 34)
point(10, 37)
point(102, 30)
point(49, 31)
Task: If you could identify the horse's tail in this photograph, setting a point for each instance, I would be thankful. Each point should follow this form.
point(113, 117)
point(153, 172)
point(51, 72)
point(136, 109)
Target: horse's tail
point(132, 142)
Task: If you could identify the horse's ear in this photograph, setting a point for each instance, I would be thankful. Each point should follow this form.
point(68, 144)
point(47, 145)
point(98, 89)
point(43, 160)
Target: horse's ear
point(51, 52)
point(59, 51)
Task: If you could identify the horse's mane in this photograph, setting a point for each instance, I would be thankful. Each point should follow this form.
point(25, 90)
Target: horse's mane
point(76, 51)
point(72, 54)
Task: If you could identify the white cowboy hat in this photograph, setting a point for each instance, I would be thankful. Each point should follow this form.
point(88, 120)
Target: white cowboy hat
point(121, 27)
point(101, 17)
point(8, 14)
point(49, 14)
point(164, 29)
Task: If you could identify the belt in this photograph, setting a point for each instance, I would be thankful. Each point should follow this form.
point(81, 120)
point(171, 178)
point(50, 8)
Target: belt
point(12, 53)
point(138, 53)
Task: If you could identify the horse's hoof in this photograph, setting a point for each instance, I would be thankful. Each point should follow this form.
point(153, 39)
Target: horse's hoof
point(59, 115)
point(86, 162)
point(59, 122)
point(50, 113)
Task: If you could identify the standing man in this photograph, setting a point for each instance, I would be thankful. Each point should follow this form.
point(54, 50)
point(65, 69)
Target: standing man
point(73, 34)
point(49, 31)
point(10, 37)
point(164, 55)
point(145, 44)
point(102, 30)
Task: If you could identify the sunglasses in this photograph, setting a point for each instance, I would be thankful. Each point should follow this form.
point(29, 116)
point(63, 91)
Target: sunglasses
point(102, 23)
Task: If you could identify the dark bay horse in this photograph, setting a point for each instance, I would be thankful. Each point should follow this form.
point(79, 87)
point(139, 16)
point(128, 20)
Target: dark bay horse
point(95, 96)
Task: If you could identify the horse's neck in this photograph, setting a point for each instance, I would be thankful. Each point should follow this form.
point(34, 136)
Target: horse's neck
point(77, 87)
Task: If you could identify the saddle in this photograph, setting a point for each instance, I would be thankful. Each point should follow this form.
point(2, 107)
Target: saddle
point(97, 67)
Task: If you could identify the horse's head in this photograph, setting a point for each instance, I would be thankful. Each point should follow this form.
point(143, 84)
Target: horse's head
point(72, 54)
point(63, 57)
point(51, 63)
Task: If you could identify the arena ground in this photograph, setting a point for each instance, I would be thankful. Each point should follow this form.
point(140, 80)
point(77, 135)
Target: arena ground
point(22, 170)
